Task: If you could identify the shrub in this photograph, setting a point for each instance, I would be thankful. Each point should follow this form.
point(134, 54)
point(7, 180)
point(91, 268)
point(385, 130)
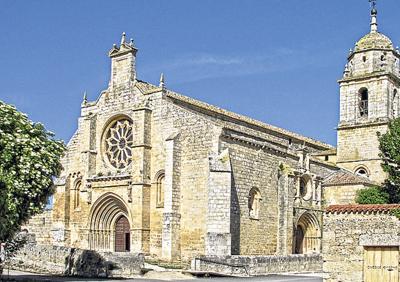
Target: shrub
point(372, 195)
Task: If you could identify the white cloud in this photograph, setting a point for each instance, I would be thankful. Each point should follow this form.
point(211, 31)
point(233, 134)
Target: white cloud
point(198, 66)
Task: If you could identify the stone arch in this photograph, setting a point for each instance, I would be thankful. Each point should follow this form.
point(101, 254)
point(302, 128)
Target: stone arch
point(158, 181)
point(362, 170)
point(102, 220)
point(77, 192)
point(306, 187)
point(307, 237)
point(254, 203)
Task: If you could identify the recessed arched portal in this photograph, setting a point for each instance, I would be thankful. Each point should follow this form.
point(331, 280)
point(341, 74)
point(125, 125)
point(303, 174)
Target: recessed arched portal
point(307, 234)
point(109, 222)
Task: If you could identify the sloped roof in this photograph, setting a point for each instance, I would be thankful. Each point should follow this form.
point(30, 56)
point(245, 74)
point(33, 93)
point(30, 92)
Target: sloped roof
point(344, 177)
point(361, 208)
point(250, 121)
point(326, 152)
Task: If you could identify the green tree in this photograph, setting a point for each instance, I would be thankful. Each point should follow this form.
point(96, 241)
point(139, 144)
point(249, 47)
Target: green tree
point(372, 195)
point(29, 161)
point(389, 145)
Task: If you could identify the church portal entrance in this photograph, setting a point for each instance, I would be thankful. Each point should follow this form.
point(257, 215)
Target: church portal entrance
point(307, 235)
point(122, 235)
point(109, 228)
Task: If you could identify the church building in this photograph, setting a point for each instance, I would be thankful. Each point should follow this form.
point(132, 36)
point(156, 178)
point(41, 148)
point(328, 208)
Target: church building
point(152, 171)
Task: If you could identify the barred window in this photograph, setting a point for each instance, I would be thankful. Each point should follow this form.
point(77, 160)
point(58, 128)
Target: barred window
point(363, 102)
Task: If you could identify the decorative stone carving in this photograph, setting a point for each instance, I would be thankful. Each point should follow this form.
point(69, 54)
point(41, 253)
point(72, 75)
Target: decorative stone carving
point(89, 192)
point(129, 192)
point(118, 143)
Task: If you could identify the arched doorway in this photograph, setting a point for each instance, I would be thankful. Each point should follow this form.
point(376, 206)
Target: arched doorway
point(122, 235)
point(307, 234)
point(109, 216)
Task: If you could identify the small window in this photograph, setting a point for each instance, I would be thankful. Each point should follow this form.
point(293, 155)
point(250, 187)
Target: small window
point(326, 158)
point(395, 104)
point(363, 102)
point(160, 191)
point(364, 59)
point(77, 194)
point(362, 172)
point(254, 203)
point(303, 188)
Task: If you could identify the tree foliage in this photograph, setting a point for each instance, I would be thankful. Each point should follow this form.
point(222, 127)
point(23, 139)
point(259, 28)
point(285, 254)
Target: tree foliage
point(29, 161)
point(389, 145)
point(372, 195)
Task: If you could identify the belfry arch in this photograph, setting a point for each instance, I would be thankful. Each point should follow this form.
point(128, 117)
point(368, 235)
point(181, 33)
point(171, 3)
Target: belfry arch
point(307, 235)
point(108, 213)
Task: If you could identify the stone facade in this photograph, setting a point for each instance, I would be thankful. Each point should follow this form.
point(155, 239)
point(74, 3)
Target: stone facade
point(188, 178)
point(155, 172)
point(348, 231)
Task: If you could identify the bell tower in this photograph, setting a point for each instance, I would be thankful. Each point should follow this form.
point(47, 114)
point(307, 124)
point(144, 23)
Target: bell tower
point(369, 98)
point(123, 64)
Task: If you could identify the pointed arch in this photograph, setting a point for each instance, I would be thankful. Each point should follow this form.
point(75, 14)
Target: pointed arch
point(102, 220)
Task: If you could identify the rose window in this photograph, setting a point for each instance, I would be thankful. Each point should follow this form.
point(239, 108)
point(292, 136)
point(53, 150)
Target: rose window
point(119, 140)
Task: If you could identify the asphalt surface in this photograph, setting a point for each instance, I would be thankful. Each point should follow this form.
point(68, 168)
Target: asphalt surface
point(25, 276)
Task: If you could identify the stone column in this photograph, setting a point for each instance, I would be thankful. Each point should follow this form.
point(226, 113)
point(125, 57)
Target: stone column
point(140, 184)
point(218, 237)
point(171, 247)
point(285, 208)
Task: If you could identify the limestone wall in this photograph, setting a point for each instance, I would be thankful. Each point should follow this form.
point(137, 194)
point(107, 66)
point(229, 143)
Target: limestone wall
point(257, 265)
point(76, 262)
point(359, 147)
point(341, 195)
point(344, 237)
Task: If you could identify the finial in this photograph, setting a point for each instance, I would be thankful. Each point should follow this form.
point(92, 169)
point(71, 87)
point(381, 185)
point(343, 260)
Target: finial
point(123, 38)
point(84, 98)
point(162, 82)
point(346, 70)
point(131, 42)
point(374, 13)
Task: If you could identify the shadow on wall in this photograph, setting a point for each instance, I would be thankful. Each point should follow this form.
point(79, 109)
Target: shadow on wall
point(235, 219)
point(87, 263)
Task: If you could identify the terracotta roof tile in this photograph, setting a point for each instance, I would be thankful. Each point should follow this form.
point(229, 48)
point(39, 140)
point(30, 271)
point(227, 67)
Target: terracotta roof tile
point(361, 208)
point(344, 177)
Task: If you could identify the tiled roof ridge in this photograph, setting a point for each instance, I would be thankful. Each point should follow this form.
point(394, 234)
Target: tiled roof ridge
point(204, 105)
point(344, 176)
point(358, 208)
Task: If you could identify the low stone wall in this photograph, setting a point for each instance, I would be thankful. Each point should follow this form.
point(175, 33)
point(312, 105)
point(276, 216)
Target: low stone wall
point(76, 262)
point(257, 265)
point(348, 231)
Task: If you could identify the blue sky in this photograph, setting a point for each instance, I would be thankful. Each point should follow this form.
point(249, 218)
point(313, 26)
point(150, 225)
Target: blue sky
point(275, 61)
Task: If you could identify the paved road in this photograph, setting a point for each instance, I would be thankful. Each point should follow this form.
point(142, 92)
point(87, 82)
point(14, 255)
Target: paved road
point(25, 276)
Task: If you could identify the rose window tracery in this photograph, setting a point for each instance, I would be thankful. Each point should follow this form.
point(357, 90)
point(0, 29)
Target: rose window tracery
point(118, 143)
